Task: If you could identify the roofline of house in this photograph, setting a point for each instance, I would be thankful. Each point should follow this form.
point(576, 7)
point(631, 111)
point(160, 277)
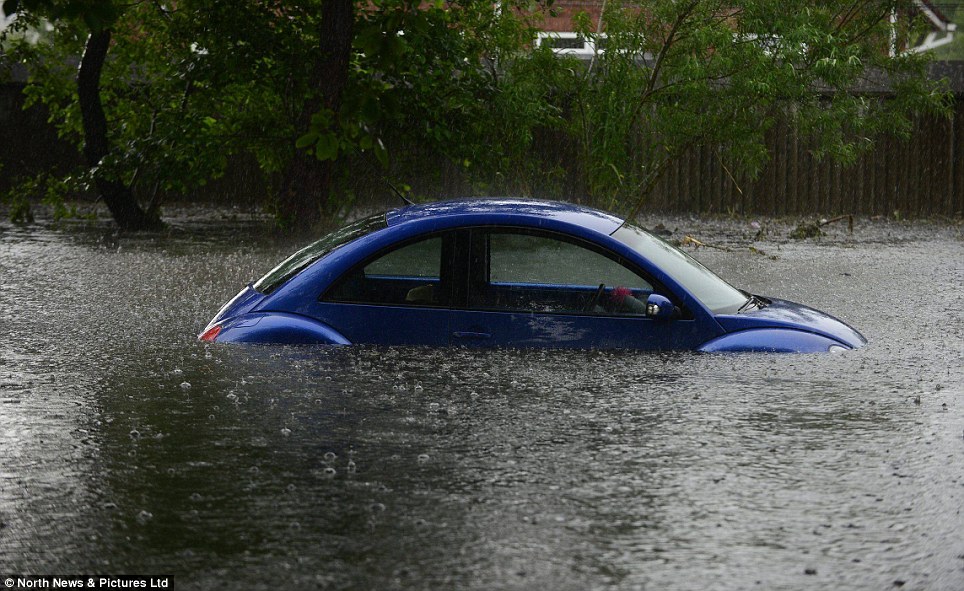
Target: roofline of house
point(935, 16)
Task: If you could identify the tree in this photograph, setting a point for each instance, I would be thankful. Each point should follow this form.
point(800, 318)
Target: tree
point(307, 179)
point(720, 73)
point(423, 82)
point(323, 92)
point(310, 88)
point(97, 17)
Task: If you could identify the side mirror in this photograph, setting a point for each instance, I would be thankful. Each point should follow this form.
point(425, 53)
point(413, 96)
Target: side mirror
point(660, 308)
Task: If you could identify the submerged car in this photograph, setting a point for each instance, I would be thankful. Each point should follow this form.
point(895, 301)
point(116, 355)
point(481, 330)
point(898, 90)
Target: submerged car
point(514, 273)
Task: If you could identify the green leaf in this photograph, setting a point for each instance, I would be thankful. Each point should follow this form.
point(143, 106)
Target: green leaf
point(321, 119)
point(306, 140)
point(369, 40)
point(369, 109)
point(327, 147)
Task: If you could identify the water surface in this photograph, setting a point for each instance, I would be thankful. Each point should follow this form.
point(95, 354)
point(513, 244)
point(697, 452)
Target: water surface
point(127, 447)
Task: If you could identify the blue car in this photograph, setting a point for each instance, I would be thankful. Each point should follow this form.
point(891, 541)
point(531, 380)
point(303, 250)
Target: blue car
point(512, 273)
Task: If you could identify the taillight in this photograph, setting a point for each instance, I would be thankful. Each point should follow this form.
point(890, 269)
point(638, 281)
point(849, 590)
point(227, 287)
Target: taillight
point(210, 334)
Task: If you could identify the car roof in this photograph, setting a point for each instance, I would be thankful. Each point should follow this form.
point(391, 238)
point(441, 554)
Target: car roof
point(529, 212)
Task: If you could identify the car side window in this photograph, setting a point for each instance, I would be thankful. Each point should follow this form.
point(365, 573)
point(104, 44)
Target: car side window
point(409, 275)
point(544, 273)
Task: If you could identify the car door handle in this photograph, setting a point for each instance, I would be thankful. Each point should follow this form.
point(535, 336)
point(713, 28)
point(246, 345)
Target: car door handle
point(475, 336)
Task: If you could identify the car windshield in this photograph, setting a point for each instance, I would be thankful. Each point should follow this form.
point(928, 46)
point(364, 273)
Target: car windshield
point(717, 295)
point(314, 251)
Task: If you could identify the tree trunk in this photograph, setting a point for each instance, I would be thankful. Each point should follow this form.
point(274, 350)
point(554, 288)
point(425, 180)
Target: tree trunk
point(307, 181)
point(116, 195)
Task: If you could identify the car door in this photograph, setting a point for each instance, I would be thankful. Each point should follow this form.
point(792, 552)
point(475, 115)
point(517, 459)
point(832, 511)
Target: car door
point(400, 296)
point(533, 288)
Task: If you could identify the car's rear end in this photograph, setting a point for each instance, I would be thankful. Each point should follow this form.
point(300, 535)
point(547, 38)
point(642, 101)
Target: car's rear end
point(247, 316)
point(240, 305)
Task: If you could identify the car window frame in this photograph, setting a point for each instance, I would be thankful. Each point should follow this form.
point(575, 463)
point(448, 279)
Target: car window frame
point(473, 279)
point(450, 261)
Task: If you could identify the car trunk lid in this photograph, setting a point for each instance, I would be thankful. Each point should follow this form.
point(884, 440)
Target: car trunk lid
point(246, 300)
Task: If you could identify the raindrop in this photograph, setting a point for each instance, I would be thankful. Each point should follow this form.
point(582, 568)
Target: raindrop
point(351, 467)
point(144, 516)
point(377, 508)
point(329, 472)
point(196, 497)
point(292, 488)
point(185, 385)
point(433, 407)
point(135, 434)
point(285, 431)
point(422, 458)
point(232, 397)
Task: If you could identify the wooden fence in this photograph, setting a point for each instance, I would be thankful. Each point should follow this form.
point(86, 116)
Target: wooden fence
point(920, 176)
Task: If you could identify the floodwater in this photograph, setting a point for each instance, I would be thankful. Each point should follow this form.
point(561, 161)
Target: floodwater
point(127, 447)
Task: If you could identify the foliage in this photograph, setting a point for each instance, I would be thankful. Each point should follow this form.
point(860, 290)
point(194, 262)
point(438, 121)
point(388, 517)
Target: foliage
point(159, 114)
point(188, 87)
point(191, 85)
point(429, 81)
point(700, 72)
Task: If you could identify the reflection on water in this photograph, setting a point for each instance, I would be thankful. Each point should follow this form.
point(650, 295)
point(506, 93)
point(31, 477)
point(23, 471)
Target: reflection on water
point(128, 447)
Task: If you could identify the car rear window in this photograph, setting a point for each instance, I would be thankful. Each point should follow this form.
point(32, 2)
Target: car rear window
point(314, 251)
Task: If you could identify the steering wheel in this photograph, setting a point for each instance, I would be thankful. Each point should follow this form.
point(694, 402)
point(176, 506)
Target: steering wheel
point(595, 298)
